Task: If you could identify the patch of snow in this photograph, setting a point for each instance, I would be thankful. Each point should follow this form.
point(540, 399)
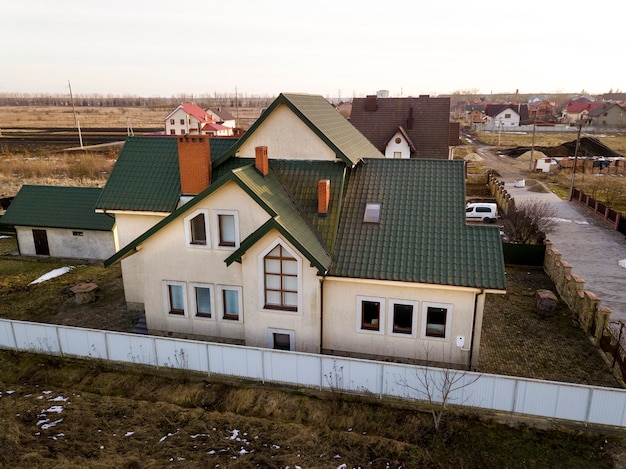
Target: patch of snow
point(4, 237)
point(55, 409)
point(52, 274)
point(45, 426)
point(622, 263)
point(129, 433)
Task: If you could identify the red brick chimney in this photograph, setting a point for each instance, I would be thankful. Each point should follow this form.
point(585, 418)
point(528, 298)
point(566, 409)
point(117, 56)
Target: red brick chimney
point(261, 160)
point(323, 196)
point(194, 163)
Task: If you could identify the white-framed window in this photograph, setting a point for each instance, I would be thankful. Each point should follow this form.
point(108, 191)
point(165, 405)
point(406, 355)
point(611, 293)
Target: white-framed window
point(202, 300)
point(197, 229)
point(182, 122)
point(281, 270)
point(281, 279)
point(397, 154)
point(370, 314)
point(402, 317)
point(280, 339)
point(175, 296)
point(226, 229)
point(230, 303)
point(436, 320)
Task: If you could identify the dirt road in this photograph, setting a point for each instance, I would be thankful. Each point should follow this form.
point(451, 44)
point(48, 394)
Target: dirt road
point(596, 251)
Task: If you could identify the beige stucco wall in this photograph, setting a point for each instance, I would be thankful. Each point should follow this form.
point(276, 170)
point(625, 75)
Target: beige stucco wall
point(62, 243)
point(129, 227)
point(286, 137)
point(342, 320)
point(304, 324)
point(166, 256)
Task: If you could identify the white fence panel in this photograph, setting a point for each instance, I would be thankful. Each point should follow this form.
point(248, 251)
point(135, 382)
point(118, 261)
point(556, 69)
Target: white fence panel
point(182, 354)
point(572, 403)
point(607, 407)
point(131, 348)
point(6, 335)
point(36, 337)
point(492, 392)
point(536, 398)
point(292, 367)
point(245, 362)
point(591, 404)
point(83, 342)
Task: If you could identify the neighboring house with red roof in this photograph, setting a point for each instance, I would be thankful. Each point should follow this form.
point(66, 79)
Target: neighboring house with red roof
point(406, 127)
point(191, 119)
point(302, 237)
point(577, 110)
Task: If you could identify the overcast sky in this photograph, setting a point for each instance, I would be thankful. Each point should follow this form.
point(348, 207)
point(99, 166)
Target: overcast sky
point(328, 47)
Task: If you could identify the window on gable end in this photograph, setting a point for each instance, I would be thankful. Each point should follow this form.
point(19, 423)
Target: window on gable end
point(280, 270)
point(226, 228)
point(197, 229)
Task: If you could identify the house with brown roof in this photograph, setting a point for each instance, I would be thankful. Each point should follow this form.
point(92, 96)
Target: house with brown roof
point(406, 127)
point(608, 115)
point(540, 110)
point(302, 236)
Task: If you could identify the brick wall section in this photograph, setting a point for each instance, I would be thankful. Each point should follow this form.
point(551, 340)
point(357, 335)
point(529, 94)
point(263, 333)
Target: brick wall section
point(585, 305)
point(194, 162)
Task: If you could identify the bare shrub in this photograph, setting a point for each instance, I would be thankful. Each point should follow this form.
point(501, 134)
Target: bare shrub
point(531, 221)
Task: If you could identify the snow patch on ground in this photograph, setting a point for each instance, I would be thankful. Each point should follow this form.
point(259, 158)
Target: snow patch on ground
point(52, 274)
point(622, 263)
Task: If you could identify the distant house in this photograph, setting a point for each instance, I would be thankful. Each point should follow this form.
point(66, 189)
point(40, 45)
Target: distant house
point(577, 110)
point(60, 222)
point(541, 111)
point(505, 116)
point(404, 128)
point(475, 113)
point(221, 116)
point(608, 115)
point(301, 236)
point(191, 119)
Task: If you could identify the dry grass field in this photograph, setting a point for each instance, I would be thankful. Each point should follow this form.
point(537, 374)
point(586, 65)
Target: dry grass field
point(55, 164)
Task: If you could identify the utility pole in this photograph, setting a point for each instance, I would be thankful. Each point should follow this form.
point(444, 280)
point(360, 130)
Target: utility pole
point(76, 121)
point(571, 187)
point(532, 146)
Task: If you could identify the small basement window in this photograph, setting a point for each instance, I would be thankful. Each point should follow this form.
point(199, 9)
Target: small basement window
point(77, 233)
point(372, 213)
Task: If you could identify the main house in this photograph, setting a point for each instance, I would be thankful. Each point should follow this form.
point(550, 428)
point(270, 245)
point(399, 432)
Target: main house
point(406, 127)
point(301, 236)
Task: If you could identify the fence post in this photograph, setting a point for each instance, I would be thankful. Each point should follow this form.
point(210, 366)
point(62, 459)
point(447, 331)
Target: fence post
point(619, 341)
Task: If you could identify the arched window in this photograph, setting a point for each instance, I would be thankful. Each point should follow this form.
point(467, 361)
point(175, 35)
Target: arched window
point(281, 279)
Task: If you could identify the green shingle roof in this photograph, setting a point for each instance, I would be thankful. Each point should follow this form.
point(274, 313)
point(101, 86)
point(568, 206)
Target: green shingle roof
point(57, 207)
point(422, 235)
point(269, 192)
point(146, 176)
point(323, 119)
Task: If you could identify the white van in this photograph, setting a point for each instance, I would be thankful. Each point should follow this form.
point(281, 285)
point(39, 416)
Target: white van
point(481, 211)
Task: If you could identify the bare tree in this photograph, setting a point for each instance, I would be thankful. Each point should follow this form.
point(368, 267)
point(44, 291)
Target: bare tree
point(531, 221)
point(439, 388)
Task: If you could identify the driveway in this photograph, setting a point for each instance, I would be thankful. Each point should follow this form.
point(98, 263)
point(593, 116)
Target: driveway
point(592, 248)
